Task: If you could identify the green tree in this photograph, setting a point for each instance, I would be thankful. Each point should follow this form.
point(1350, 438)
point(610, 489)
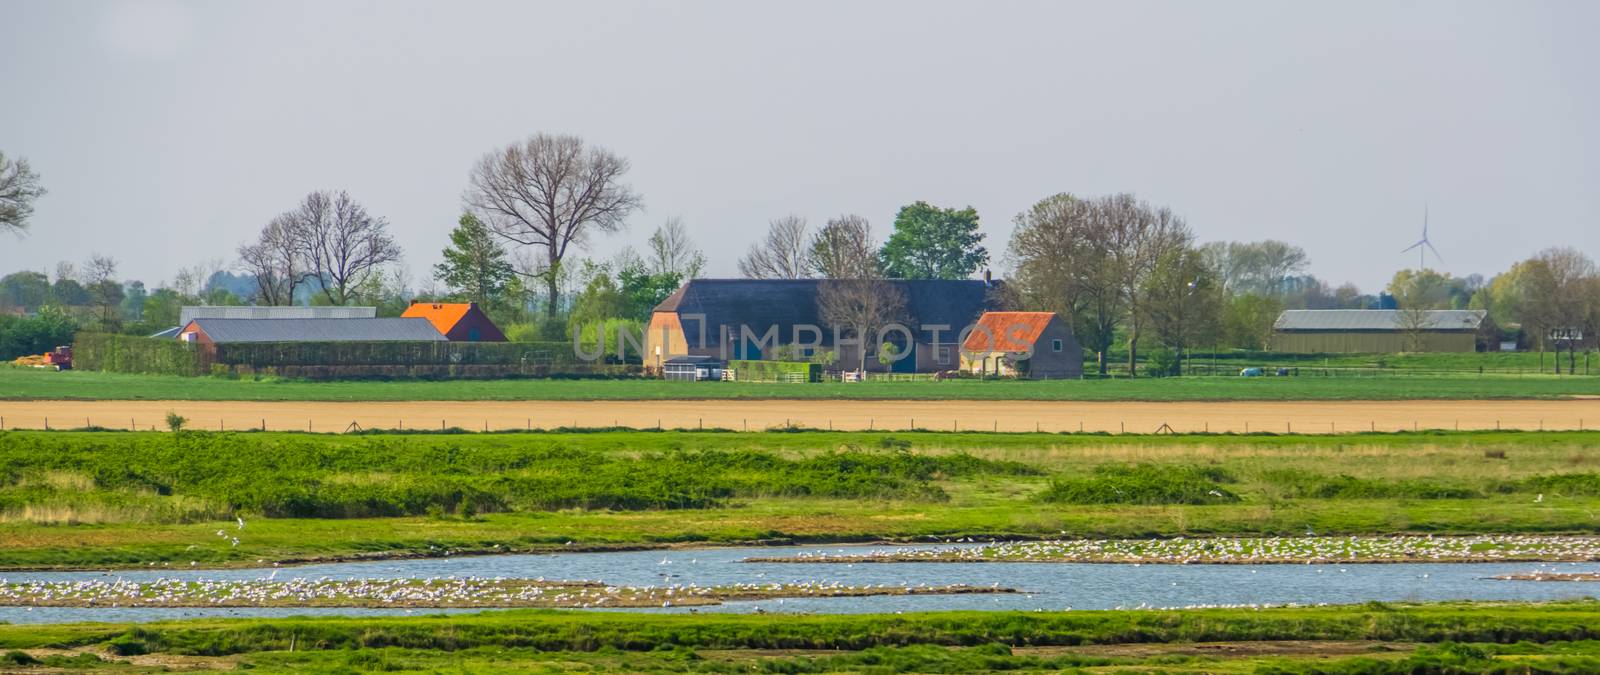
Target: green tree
point(1181, 302)
point(933, 243)
point(475, 265)
point(1248, 320)
point(37, 334)
point(599, 300)
point(163, 307)
point(642, 290)
point(24, 289)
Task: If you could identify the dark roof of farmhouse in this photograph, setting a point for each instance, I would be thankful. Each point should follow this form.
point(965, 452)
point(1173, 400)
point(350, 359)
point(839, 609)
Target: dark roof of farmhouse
point(762, 303)
point(1375, 320)
point(319, 330)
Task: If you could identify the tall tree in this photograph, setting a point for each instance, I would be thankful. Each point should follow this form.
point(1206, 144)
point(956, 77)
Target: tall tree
point(276, 260)
point(1061, 256)
point(782, 254)
point(475, 264)
point(343, 246)
point(550, 193)
point(671, 251)
point(929, 242)
point(844, 249)
point(1139, 235)
point(1556, 287)
point(25, 289)
point(1182, 303)
point(100, 280)
point(19, 188)
point(1263, 267)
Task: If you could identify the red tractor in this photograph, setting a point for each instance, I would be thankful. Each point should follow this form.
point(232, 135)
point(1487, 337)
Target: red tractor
point(61, 357)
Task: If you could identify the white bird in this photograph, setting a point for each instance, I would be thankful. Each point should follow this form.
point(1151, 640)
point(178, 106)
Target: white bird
point(1539, 499)
point(241, 522)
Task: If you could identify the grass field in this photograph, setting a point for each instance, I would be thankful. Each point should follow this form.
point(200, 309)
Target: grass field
point(29, 383)
point(90, 499)
point(1372, 638)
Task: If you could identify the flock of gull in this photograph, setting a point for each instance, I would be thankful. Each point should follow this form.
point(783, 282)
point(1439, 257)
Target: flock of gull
point(1239, 550)
point(434, 592)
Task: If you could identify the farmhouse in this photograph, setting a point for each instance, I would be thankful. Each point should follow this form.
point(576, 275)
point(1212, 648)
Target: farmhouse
point(747, 318)
point(457, 321)
point(1033, 345)
point(1372, 331)
point(221, 331)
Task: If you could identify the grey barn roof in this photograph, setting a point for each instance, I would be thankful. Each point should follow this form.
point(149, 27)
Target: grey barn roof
point(191, 312)
point(1374, 320)
point(762, 303)
point(319, 330)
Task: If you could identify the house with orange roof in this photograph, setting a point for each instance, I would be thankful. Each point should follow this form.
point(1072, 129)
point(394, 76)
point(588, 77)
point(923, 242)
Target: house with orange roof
point(1031, 345)
point(456, 321)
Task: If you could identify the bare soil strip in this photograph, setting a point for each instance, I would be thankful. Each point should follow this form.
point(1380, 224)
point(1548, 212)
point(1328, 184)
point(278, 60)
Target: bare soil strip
point(1318, 417)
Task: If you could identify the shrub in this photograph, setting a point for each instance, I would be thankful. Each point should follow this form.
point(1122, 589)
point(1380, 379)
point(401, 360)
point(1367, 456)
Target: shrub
point(1143, 484)
point(1304, 484)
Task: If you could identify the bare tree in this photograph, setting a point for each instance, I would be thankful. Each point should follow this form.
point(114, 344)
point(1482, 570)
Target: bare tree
point(1139, 235)
point(19, 188)
point(858, 309)
point(100, 280)
point(673, 252)
point(1060, 253)
point(549, 192)
point(341, 244)
point(782, 255)
point(275, 259)
point(844, 249)
point(1555, 285)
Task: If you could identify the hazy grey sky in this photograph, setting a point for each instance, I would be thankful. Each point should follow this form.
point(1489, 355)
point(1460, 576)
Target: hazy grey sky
point(169, 132)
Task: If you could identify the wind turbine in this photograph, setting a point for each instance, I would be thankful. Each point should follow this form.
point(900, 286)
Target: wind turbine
point(1423, 246)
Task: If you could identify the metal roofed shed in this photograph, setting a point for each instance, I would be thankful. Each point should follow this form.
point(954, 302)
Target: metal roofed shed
point(1376, 331)
point(191, 312)
point(214, 331)
point(692, 368)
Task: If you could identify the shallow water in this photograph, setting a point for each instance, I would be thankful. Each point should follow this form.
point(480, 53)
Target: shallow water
point(1048, 586)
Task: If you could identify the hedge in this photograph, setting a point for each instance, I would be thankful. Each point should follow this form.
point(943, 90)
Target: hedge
point(775, 371)
point(283, 354)
point(337, 360)
point(134, 354)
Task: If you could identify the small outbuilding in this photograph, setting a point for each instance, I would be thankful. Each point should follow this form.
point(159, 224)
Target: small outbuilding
point(1032, 345)
point(1376, 331)
point(692, 368)
point(457, 321)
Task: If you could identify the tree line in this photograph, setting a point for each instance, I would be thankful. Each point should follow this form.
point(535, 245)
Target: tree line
point(1128, 275)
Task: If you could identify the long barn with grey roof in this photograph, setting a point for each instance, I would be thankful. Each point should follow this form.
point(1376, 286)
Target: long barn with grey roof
point(1376, 331)
point(218, 331)
point(708, 317)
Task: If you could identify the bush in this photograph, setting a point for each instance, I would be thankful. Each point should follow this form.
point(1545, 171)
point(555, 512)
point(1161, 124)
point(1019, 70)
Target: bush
point(1143, 484)
point(775, 371)
point(1304, 484)
point(23, 336)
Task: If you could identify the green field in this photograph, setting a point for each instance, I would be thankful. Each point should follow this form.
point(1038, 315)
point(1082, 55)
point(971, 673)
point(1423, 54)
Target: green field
point(29, 383)
point(94, 499)
point(1371, 638)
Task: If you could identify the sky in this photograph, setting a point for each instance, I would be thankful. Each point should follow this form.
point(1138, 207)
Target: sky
point(169, 132)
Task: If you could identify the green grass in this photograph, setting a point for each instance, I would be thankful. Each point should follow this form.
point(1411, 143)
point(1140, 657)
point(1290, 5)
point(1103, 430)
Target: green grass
point(27, 383)
point(88, 499)
point(1442, 637)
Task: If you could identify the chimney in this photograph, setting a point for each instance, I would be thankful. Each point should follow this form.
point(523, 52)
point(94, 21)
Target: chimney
point(988, 278)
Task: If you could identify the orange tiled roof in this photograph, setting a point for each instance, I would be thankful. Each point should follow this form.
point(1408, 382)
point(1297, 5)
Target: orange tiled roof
point(443, 315)
point(1009, 331)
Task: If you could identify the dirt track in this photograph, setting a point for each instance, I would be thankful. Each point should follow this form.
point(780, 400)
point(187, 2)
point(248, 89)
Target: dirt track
point(1132, 417)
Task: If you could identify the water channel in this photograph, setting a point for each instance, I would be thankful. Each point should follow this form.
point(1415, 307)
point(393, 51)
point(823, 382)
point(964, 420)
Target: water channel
point(1046, 586)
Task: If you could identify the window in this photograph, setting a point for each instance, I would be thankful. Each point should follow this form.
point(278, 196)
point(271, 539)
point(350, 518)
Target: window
point(944, 355)
point(1055, 345)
